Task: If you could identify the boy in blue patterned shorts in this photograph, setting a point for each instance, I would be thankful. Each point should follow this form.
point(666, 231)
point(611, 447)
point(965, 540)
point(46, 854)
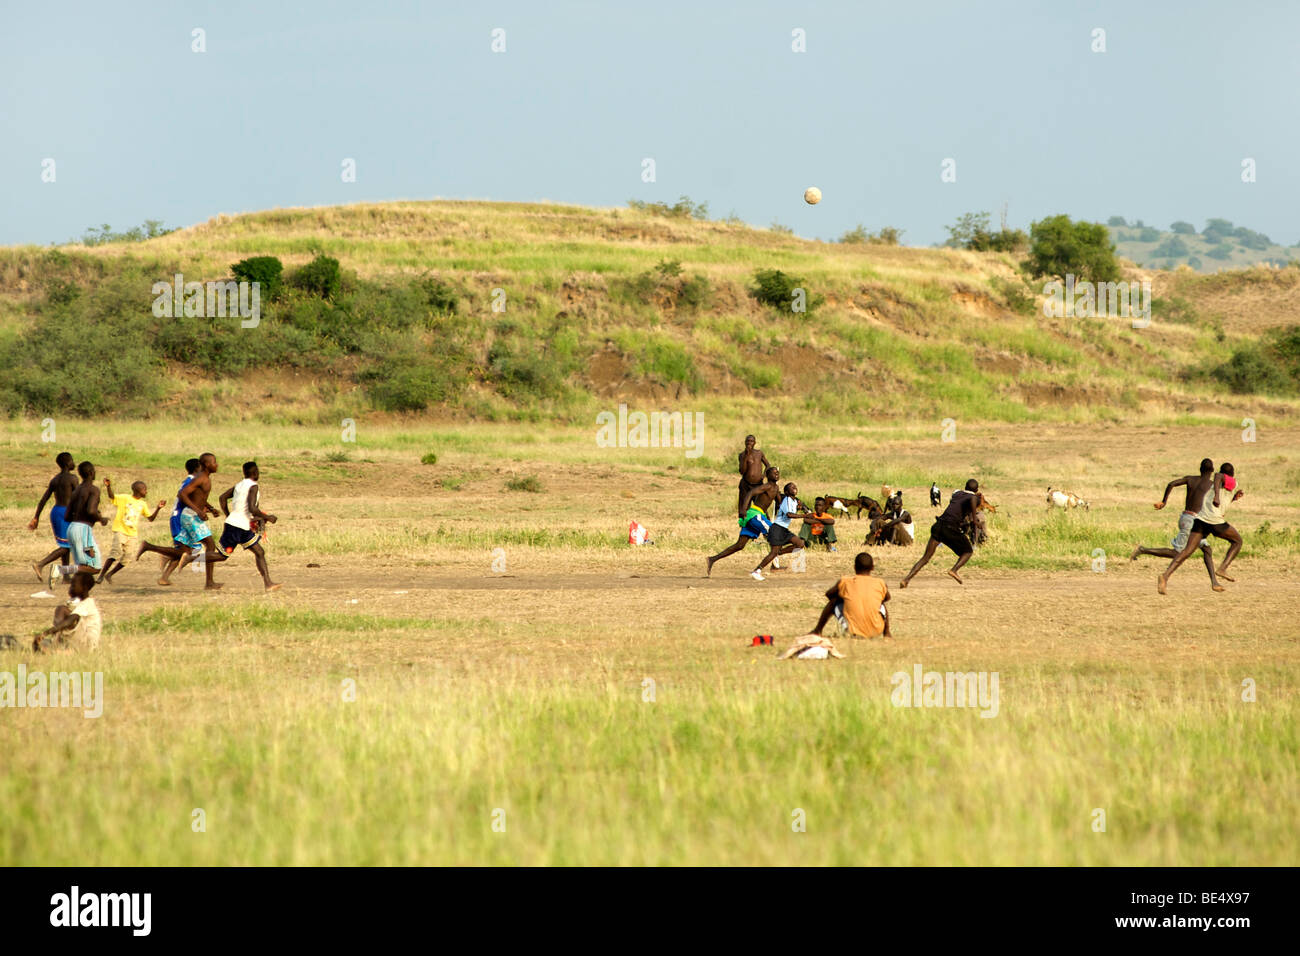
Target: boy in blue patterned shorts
point(195, 536)
point(752, 517)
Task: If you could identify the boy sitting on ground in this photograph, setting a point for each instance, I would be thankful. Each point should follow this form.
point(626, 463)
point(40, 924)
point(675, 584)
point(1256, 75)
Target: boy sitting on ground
point(77, 621)
point(818, 529)
point(859, 599)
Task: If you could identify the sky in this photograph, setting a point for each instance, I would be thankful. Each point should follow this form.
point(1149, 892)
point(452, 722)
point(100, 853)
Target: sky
point(140, 126)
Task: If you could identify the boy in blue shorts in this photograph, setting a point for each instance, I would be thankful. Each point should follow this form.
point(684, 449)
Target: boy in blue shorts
point(752, 518)
point(194, 536)
point(60, 488)
point(83, 514)
point(169, 565)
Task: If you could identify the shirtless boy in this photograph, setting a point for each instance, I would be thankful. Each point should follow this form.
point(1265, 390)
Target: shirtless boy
point(752, 515)
point(60, 489)
point(1197, 486)
point(753, 465)
point(195, 536)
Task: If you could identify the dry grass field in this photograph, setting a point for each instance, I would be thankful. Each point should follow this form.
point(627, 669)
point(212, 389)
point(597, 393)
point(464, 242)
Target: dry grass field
point(399, 701)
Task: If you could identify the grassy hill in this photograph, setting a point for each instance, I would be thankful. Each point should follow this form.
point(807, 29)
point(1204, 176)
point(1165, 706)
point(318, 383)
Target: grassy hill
point(596, 306)
point(1207, 251)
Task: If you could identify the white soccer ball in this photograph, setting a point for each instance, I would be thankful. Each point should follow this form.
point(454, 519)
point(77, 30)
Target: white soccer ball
point(812, 195)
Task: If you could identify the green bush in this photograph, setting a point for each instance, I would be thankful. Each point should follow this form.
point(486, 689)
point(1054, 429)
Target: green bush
point(665, 286)
point(1060, 246)
point(1172, 248)
point(1147, 234)
point(105, 234)
point(776, 289)
point(428, 458)
point(439, 296)
point(1183, 228)
point(1251, 370)
point(319, 277)
point(266, 271)
point(1283, 345)
point(972, 230)
point(1019, 296)
point(61, 292)
point(1220, 251)
point(68, 363)
point(524, 372)
point(410, 384)
point(529, 483)
point(684, 208)
point(887, 236)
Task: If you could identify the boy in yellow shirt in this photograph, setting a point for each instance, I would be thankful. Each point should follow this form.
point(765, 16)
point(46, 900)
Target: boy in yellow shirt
point(126, 525)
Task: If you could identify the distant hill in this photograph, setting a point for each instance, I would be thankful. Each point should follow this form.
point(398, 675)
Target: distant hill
point(533, 311)
point(1219, 245)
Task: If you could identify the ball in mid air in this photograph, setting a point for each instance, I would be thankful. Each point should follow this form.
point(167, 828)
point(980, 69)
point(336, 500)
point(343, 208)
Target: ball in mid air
point(812, 195)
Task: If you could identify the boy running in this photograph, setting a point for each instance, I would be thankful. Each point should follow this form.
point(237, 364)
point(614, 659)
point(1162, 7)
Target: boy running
point(752, 516)
point(780, 539)
point(166, 566)
point(1197, 487)
point(83, 514)
point(243, 522)
point(1210, 520)
point(195, 537)
point(126, 525)
point(60, 489)
point(946, 530)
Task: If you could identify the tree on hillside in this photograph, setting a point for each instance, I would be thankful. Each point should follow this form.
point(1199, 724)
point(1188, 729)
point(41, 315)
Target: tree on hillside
point(1183, 228)
point(1251, 239)
point(1217, 229)
point(1173, 248)
point(1116, 221)
point(972, 230)
point(887, 236)
point(1059, 246)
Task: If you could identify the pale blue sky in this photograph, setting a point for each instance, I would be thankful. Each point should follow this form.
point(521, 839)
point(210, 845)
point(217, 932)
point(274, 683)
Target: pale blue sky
point(1155, 128)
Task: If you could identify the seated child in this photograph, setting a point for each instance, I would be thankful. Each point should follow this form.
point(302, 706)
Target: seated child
point(859, 600)
point(820, 529)
point(77, 621)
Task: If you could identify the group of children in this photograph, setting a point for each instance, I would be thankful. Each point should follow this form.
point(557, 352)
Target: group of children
point(77, 556)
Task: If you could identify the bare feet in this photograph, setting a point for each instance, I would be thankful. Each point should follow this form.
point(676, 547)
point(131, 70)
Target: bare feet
point(1217, 587)
point(708, 567)
point(1136, 552)
point(214, 586)
point(903, 584)
point(37, 569)
point(1160, 583)
point(139, 553)
point(164, 582)
point(953, 575)
point(1226, 578)
point(269, 587)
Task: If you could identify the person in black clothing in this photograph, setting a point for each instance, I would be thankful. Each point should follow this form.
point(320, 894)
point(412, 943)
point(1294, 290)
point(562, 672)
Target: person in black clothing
point(947, 530)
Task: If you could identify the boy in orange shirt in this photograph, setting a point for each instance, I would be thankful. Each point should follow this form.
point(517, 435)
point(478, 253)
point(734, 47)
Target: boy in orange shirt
point(819, 529)
point(860, 598)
